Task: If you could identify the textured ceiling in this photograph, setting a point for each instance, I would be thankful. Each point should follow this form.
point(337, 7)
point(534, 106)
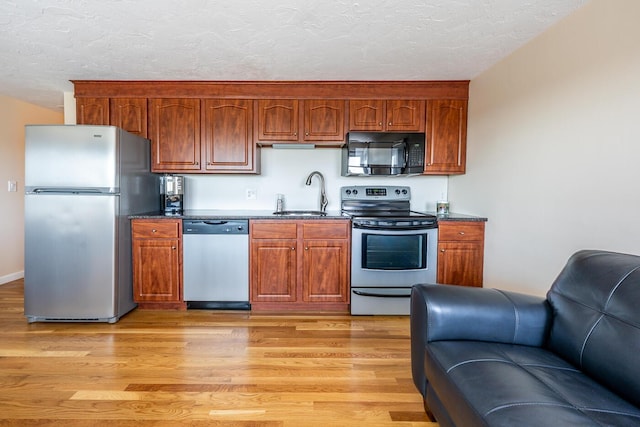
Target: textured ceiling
point(46, 43)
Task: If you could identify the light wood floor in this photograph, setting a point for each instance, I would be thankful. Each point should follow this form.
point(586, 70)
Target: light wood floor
point(206, 368)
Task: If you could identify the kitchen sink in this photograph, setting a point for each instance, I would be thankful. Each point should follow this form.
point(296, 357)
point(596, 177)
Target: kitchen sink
point(300, 213)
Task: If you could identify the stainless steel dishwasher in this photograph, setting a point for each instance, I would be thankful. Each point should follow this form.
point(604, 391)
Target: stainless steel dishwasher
point(216, 264)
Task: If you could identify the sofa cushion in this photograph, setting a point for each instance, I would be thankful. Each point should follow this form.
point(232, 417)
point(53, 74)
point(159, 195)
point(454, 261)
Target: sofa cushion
point(482, 383)
point(596, 318)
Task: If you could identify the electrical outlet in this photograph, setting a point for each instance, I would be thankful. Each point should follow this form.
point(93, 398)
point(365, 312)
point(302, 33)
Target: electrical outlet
point(12, 186)
point(252, 194)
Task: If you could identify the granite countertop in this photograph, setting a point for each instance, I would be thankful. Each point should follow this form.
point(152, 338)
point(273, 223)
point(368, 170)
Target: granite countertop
point(234, 214)
point(268, 214)
point(459, 217)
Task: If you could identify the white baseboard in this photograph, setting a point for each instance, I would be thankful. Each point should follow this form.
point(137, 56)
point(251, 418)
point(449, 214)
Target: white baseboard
point(11, 277)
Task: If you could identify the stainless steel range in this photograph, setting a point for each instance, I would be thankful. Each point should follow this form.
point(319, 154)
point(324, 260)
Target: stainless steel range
point(392, 248)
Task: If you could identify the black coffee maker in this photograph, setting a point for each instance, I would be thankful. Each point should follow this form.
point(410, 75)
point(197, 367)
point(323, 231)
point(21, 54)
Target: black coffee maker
point(172, 194)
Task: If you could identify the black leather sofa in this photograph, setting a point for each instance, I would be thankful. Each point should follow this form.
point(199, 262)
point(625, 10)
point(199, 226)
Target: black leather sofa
point(486, 357)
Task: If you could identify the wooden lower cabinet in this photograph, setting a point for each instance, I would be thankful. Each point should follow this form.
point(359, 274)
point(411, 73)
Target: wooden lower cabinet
point(300, 265)
point(157, 263)
point(460, 253)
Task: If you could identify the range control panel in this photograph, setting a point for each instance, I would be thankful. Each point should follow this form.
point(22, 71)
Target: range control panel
point(382, 192)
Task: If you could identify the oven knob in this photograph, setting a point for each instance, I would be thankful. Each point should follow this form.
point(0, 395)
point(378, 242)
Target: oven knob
point(348, 191)
point(404, 191)
point(355, 191)
point(397, 191)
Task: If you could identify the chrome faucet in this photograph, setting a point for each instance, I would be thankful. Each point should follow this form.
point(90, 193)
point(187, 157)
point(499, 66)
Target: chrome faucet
point(323, 195)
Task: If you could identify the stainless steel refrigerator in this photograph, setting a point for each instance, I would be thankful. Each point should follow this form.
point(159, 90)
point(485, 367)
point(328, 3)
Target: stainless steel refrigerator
point(81, 184)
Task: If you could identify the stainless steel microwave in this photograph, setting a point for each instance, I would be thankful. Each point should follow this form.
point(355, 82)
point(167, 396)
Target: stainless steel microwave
point(383, 154)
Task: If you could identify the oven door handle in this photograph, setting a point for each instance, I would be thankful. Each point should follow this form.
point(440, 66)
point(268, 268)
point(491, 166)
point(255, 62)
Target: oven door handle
point(378, 295)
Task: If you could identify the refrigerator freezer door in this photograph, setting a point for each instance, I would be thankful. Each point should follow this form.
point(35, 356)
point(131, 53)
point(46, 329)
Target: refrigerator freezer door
point(70, 257)
point(61, 156)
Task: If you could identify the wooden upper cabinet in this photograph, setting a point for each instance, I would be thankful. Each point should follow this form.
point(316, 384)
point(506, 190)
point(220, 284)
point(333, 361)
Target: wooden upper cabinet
point(129, 114)
point(446, 137)
point(174, 130)
point(92, 111)
point(228, 135)
point(281, 121)
point(277, 120)
point(390, 115)
point(405, 116)
point(323, 120)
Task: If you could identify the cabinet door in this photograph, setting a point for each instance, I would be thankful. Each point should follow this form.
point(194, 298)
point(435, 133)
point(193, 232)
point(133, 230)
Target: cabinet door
point(405, 116)
point(446, 145)
point(156, 270)
point(228, 135)
point(460, 253)
point(366, 115)
point(92, 111)
point(458, 263)
point(174, 130)
point(129, 114)
point(277, 120)
point(326, 264)
point(323, 120)
point(273, 270)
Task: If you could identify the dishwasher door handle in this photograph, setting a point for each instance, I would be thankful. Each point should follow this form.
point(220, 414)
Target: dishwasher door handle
point(215, 222)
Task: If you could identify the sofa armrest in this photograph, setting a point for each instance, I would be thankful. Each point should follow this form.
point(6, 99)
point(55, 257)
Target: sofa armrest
point(444, 312)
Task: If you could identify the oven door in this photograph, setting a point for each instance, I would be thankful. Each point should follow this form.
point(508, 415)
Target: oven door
point(393, 258)
point(386, 263)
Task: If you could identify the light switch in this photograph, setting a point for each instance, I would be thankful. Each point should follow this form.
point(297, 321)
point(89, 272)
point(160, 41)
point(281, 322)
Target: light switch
point(12, 186)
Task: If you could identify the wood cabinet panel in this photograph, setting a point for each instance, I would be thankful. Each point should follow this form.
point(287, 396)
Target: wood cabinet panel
point(277, 120)
point(92, 111)
point(174, 130)
point(155, 229)
point(273, 271)
point(300, 264)
point(460, 253)
point(157, 263)
point(390, 115)
point(446, 137)
point(324, 120)
point(156, 274)
point(129, 114)
point(325, 271)
point(367, 115)
point(405, 116)
point(228, 135)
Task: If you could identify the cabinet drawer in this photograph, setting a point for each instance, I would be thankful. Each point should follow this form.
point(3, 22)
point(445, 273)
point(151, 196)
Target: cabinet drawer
point(280, 229)
point(461, 231)
point(325, 230)
point(155, 229)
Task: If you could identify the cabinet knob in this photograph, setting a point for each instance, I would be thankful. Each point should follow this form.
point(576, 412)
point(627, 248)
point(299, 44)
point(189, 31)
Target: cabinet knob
point(293, 248)
point(442, 250)
point(295, 134)
point(154, 231)
point(306, 133)
point(306, 248)
point(380, 124)
point(389, 124)
point(197, 163)
point(174, 248)
point(461, 233)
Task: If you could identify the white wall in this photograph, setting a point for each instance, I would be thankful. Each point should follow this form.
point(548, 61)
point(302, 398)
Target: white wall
point(285, 171)
point(554, 147)
point(14, 115)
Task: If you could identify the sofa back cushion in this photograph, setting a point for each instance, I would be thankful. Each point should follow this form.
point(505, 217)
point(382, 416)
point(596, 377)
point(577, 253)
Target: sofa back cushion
point(596, 318)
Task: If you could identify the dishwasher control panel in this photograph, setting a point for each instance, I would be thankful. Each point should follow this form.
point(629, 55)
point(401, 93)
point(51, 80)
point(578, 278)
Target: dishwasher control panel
point(222, 226)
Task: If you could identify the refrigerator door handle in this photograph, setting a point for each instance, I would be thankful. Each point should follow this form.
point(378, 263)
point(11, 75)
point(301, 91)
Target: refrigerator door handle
point(54, 190)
